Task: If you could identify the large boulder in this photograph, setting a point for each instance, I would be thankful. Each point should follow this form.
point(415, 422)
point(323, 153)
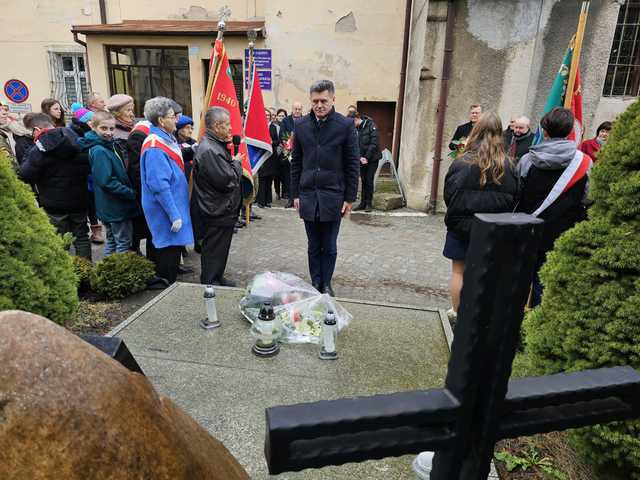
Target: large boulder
point(69, 411)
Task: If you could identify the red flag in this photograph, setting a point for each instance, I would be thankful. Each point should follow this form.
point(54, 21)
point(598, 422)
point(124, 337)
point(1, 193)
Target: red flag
point(256, 129)
point(576, 108)
point(223, 94)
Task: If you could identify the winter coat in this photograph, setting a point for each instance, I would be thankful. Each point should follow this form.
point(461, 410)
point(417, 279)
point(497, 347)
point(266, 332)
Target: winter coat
point(114, 194)
point(135, 140)
point(288, 126)
point(519, 145)
point(462, 131)
point(269, 167)
point(590, 147)
point(23, 145)
point(165, 194)
point(59, 173)
point(539, 171)
point(368, 140)
point(325, 165)
point(216, 184)
point(188, 152)
point(464, 196)
point(80, 128)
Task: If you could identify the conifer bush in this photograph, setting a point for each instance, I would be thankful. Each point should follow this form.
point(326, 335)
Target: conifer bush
point(590, 311)
point(121, 274)
point(83, 269)
point(36, 273)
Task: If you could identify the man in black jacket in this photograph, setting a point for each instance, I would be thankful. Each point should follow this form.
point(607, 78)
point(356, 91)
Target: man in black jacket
point(369, 157)
point(463, 131)
point(324, 178)
point(216, 196)
point(521, 139)
point(60, 174)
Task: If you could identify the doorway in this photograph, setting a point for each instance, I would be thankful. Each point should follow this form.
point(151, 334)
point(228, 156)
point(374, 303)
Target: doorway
point(383, 115)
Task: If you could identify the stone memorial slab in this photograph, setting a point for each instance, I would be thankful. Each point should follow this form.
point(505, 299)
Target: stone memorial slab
point(215, 378)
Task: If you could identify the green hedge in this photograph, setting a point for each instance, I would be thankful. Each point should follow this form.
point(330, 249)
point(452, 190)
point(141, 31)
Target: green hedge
point(36, 273)
point(590, 311)
point(83, 269)
point(121, 274)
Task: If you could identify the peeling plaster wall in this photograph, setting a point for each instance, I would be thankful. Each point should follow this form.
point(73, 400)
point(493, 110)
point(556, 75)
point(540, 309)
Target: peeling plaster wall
point(356, 44)
point(506, 55)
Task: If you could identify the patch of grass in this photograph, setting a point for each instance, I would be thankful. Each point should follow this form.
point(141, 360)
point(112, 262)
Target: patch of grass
point(92, 317)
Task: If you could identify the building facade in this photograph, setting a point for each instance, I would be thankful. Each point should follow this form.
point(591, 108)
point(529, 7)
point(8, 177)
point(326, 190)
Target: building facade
point(505, 56)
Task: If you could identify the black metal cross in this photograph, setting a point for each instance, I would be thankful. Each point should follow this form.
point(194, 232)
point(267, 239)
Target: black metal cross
point(478, 405)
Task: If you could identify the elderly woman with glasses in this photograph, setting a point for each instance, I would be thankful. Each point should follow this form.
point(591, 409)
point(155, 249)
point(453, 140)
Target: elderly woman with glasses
point(165, 192)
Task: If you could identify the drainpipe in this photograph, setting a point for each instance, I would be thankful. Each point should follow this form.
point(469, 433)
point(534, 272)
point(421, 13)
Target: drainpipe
point(103, 11)
point(397, 128)
point(442, 104)
point(86, 55)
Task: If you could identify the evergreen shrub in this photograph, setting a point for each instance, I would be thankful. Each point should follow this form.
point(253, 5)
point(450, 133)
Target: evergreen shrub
point(590, 311)
point(36, 273)
point(83, 269)
point(121, 274)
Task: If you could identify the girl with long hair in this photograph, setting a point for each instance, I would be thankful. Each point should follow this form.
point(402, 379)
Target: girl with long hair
point(482, 180)
point(53, 108)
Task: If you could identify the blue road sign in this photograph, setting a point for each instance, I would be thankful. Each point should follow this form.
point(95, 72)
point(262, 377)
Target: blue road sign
point(16, 91)
point(261, 57)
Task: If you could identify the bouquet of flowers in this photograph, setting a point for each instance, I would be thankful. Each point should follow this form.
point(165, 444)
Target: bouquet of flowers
point(287, 147)
point(460, 146)
point(300, 308)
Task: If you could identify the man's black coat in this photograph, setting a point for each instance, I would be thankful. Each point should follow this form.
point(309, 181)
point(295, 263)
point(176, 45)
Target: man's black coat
point(325, 165)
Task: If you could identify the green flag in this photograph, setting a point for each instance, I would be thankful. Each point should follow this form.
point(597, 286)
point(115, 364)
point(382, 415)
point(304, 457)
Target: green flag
point(558, 90)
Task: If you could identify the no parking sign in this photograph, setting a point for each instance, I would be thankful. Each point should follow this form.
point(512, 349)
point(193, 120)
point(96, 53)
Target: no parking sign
point(16, 91)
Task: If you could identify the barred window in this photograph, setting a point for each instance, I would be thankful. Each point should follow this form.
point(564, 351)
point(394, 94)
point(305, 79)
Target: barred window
point(623, 74)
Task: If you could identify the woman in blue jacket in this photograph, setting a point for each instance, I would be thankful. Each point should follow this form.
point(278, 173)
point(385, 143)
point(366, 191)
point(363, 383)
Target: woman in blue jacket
point(165, 192)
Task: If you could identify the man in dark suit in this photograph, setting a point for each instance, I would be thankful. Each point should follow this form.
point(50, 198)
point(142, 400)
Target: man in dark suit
point(324, 178)
point(463, 131)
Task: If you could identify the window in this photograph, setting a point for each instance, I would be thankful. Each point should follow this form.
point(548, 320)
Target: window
point(236, 75)
point(70, 82)
point(623, 74)
point(144, 73)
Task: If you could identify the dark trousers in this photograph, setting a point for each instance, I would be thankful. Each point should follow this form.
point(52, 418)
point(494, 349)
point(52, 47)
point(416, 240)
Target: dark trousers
point(167, 260)
point(322, 250)
point(214, 244)
point(367, 175)
point(91, 209)
point(74, 223)
point(264, 196)
point(285, 177)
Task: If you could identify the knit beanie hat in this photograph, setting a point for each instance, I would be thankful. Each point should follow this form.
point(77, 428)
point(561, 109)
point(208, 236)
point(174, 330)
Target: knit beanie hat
point(184, 121)
point(80, 113)
point(118, 101)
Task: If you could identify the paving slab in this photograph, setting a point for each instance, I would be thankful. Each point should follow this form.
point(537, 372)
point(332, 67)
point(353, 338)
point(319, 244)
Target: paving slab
point(215, 378)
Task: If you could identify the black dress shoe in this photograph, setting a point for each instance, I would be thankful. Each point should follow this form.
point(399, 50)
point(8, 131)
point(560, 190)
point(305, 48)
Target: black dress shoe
point(360, 207)
point(253, 216)
point(268, 205)
point(157, 283)
point(184, 270)
point(368, 208)
point(317, 286)
point(240, 224)
point(261, 205)
point(328, 290)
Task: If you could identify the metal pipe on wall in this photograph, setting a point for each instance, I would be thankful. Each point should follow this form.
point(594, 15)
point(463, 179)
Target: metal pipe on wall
point(397, 128)
point(442, 104)
point(103, 11)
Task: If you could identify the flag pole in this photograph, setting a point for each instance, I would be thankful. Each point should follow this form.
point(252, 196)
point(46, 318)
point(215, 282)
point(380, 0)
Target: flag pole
point(213, 67)
point(577, 49)
point(252, 36)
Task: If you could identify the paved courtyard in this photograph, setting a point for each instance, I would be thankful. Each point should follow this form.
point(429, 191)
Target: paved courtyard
point(381, 257)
